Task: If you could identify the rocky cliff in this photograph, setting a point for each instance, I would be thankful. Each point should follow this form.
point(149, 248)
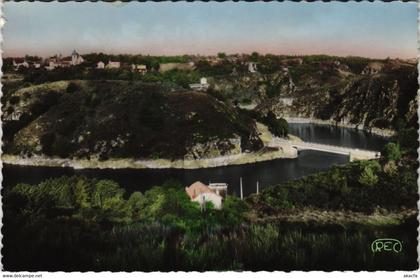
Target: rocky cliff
point(358, 91)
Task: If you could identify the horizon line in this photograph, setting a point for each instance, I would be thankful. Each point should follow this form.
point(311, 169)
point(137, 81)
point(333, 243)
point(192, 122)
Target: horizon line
point(6, 56)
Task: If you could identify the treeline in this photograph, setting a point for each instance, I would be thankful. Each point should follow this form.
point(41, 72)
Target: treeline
point(226, 65)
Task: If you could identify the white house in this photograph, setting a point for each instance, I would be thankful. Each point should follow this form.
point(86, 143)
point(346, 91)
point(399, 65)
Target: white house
point(53, 62)
point(139, 68)
point(252, 67)
point(113, 65)
point(100, 65)
point(211, 197)
point(50, 66)
point(202, 86)
point(202, 194)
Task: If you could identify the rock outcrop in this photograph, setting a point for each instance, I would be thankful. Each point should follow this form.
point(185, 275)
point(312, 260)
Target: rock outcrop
point(355, 91)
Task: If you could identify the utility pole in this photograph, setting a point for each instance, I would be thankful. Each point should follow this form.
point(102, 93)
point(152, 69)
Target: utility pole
point(258, 188)
point(242, 193)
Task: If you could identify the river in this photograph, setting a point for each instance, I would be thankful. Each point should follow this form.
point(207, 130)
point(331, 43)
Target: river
point(266, 173)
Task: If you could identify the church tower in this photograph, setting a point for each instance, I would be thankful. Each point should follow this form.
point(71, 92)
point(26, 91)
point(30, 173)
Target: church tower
point(75, 58)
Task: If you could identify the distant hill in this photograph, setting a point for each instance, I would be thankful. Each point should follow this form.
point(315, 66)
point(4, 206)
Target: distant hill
point(122, 119)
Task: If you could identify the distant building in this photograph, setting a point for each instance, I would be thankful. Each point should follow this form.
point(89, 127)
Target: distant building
point(65, 62)
point(202, 86)
point(252, 67)
point(76, 59)
point(139, 68)
point(201, 193)
point(214, 60)
point(58, 61)
point(100, 65)
point(15, 116)
point(20, 63)
point(113, 65)
point(232, 59)
point(373, 68)
point(292, 62)
point(50, 65)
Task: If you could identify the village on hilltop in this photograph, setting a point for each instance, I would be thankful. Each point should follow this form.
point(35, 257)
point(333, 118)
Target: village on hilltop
point(75, 59)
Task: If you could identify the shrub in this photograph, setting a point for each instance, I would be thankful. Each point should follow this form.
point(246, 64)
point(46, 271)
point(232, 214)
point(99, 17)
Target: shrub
point(392, 151)
point(278, 127)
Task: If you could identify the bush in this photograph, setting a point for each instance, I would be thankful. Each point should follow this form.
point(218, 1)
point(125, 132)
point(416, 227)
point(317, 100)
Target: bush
point(278, 127)
point(392, 151)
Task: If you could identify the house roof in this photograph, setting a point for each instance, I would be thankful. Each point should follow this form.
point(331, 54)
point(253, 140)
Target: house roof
point(198, 188)
point(19, 60)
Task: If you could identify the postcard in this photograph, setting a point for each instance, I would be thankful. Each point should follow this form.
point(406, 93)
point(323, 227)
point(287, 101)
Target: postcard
point(207, 136)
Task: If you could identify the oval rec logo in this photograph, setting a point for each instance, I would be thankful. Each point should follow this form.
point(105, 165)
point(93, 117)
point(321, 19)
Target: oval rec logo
point(386, 245)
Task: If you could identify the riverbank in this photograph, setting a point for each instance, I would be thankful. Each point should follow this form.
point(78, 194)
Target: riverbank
point(387, 133)
point(274, 149)
point(239, 159)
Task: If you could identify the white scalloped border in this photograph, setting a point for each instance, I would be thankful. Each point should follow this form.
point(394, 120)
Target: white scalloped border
point(209, 274)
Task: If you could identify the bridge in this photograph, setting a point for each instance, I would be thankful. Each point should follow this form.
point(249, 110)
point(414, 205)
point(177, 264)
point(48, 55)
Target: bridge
point(354, 154)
